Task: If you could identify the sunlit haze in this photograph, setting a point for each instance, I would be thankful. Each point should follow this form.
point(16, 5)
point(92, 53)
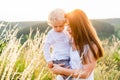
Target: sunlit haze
point(37, 10)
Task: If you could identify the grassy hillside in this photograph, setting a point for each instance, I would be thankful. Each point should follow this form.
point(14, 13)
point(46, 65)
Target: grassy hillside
point(104, 27)
point(114, 21)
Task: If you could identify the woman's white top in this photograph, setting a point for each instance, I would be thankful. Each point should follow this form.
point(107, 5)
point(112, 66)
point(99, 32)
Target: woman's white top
point(75, 62)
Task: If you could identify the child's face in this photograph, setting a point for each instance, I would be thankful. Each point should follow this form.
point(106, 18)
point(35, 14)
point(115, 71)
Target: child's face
point(58, 26)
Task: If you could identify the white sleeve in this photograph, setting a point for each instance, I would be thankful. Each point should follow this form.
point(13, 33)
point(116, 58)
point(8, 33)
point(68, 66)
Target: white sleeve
point(47, 46)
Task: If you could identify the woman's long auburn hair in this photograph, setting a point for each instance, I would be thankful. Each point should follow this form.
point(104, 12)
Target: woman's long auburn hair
point(84, 33)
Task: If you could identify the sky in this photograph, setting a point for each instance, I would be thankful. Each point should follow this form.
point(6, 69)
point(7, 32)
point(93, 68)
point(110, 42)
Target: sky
point(38, 10)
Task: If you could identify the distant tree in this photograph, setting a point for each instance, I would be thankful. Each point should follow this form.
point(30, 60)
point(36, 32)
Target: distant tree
point(103, 29)
point(24, 32)
point(41, 26)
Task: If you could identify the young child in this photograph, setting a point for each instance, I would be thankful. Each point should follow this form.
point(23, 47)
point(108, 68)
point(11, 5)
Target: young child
point(57, 39)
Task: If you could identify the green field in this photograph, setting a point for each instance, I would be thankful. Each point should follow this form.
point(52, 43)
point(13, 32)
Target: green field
point(21, 57)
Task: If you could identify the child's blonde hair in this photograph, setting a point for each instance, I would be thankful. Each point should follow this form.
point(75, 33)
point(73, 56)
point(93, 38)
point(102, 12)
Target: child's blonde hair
point(55, 16)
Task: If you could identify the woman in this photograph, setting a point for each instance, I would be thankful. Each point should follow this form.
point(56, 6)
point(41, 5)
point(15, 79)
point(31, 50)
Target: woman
point(86, 47)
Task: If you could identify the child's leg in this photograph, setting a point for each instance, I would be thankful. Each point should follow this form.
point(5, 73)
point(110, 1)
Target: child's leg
point(67, 78)
point(59, 77)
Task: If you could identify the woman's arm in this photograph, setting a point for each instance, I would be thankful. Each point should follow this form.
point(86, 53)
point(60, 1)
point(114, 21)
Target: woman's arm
point(89, 66)
point(85, 71)
point(57, 69)
point(81, 73)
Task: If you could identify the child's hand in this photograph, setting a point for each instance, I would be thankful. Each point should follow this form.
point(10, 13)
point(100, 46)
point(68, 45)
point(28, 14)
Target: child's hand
point(68, 67)
point(50, 64)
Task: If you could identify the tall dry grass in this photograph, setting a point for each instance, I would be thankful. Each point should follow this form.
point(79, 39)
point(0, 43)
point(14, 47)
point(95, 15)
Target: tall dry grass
point(108, 67)
point(23, 62)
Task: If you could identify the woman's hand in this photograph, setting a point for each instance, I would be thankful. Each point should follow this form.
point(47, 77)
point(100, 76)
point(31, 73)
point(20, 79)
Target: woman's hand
point(57, 68)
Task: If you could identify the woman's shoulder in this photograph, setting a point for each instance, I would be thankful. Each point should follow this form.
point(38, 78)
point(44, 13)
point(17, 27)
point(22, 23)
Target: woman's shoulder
point(94, 46)
point(90, 52)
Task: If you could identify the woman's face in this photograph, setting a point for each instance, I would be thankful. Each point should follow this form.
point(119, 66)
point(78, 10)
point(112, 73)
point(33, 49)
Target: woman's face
point(68, 27)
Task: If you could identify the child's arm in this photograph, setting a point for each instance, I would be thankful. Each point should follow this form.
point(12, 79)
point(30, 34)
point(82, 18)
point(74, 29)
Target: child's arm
point(47, 55)
point(46, 50)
